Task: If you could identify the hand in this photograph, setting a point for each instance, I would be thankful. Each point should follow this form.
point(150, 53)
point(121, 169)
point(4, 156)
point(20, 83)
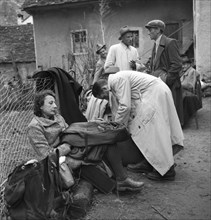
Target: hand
point(64, 149)
point(99, 120)
point(163, 77)
point(132, 64)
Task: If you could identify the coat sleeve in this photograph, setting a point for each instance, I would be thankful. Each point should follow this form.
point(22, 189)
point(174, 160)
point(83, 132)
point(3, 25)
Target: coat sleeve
point(122, 91)
point(38, 141)
point(40, 144)
point(175, 63)
point(190, 80)
point(111, 57)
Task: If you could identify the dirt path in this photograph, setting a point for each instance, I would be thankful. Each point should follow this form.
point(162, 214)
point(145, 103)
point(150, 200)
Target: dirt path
point(188, 197)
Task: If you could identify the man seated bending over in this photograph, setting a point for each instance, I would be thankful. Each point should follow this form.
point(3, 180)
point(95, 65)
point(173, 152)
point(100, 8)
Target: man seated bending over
point(145, 105)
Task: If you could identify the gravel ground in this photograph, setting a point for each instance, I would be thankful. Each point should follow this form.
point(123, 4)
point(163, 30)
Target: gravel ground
point(188, 197)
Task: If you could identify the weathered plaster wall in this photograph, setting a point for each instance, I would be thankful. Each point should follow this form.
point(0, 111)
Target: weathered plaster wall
point(202, 30)
point(52, 28)
point(144, 11)
point(52, 33)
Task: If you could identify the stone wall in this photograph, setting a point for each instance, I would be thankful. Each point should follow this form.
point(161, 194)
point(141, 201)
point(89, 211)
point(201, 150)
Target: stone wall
point(25, 70)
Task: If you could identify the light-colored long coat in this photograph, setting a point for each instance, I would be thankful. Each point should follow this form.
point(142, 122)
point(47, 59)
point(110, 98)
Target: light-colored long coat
point(120, 55)
point(145, 104)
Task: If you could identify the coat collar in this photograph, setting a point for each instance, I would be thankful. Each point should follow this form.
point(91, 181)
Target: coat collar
point(45, 121)
point(161, 47)
point(125, 47)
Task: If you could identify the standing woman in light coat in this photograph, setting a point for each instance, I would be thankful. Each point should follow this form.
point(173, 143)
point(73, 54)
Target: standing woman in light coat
point(144, 103)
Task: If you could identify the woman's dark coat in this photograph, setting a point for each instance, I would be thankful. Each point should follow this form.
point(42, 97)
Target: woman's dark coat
point(68, 92)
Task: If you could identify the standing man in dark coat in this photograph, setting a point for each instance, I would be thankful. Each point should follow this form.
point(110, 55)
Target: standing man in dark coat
point(166, 62)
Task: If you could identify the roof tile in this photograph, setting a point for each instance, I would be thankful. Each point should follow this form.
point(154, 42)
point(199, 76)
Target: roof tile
point(37, 3)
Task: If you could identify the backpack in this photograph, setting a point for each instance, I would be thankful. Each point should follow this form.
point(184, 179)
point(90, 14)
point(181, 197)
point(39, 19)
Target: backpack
point(33, 188)
point(89, 140)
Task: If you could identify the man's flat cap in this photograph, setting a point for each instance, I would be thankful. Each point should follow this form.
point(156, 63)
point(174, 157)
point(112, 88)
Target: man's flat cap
point(155, 24)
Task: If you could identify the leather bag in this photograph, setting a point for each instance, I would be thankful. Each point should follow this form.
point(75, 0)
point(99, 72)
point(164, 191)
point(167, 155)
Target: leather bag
point(89, 140)
point(32, 188)
point(88, 153)
point(95, 133)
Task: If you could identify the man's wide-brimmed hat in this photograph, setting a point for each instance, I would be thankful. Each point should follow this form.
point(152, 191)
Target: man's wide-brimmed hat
point(112, 69)
point(185, 59)
point(156, 24)
point(123, 31)
point(100, 47)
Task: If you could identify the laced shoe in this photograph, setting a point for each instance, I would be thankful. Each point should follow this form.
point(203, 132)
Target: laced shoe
point(142, 167)
point(129, 184)
point(169, 176)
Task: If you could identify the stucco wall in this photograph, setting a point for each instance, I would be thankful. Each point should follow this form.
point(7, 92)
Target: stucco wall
point(144, 11)
point(52, 28)
point(202, 37)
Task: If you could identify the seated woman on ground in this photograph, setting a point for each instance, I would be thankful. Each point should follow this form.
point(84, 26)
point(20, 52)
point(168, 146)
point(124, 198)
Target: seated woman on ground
point(44, 131)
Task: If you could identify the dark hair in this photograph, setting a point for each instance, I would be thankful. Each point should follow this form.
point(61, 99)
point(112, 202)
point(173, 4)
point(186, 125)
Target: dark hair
point(97, 87)
point(39, 101)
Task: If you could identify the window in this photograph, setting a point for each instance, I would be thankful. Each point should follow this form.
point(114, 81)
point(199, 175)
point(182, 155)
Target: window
point(79, 41)
point(135, 42)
